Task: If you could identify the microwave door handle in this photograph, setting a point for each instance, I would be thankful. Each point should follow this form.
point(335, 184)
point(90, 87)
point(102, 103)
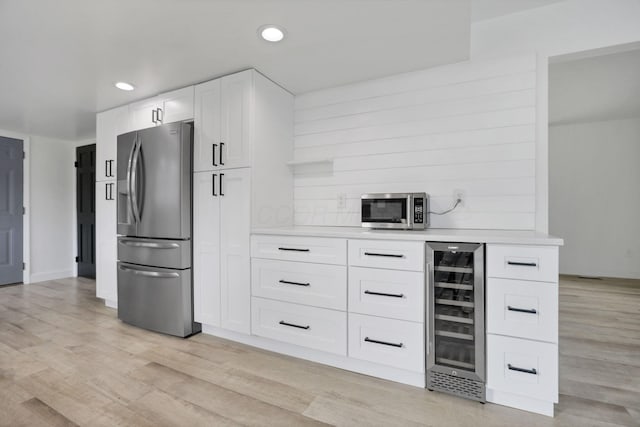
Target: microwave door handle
point(409, 210)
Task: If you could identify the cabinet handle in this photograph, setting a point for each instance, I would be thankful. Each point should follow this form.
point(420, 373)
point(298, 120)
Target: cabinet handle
point(153, 116)
point(221, 147)
point(522, 264)
point(221, 180)
point(522, 310)
point(106, 191)
point(384, 294)
point(526, 371)
point(391, 344)
point(111, 185)
point(160, 115)
point(293, 325)
point(111, 175)
point(106, 169)
point(385, 255)
point(294, 249)
point(213, 184)
point(286, 282)
point(213, 154)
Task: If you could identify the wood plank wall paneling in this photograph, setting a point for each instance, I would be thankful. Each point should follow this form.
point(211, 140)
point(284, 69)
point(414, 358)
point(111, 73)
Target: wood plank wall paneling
point(468, 126)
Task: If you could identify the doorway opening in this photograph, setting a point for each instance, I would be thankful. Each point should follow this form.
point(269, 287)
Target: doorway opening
point(86, 210)
point(11, 211)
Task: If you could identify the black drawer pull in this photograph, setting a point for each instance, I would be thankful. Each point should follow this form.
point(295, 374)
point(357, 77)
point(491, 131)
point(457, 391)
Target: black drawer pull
point(522, 310)
point(522, 264)
point(213, 155)
point(286, 282)
point(293, 325)
point(382, 294)
point(294, 249)
point(526, 371)
point(392, 344)
point(385, 255)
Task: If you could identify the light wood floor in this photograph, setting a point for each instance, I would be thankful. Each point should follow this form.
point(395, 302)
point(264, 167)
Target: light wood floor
point(65, 359)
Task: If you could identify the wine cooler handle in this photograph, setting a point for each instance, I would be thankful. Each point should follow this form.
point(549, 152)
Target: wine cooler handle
point(522, 310)
point(532, 371)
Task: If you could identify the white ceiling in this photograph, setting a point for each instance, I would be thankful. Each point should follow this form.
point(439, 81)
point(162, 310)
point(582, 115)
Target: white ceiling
point(59, 59)
point(481, 10)
point(593, 89)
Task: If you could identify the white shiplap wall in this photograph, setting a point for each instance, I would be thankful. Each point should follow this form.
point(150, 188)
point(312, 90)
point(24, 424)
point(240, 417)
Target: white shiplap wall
point(468, 126)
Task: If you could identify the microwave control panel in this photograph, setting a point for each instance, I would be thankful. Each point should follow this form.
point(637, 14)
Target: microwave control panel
point(418, 210)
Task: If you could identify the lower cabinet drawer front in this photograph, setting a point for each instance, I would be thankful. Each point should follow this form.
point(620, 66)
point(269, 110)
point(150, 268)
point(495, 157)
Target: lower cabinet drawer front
point(538, 263)
point(312, 327)
point(319, 285)
point(389, 254)
point(527, 368)
point(320, 250)
point(522, 309)
point(387, 293)
point(396, 343)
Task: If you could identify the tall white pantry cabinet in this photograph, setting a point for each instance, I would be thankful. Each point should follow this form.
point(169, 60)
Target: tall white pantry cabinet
point(243, 138)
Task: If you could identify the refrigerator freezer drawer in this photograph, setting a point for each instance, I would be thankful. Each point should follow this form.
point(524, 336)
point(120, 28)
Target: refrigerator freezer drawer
point(155, 252)
point(158, 299)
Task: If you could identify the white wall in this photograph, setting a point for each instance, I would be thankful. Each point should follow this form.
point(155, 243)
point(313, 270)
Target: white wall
point(52, 211)
point(467, 126)
point(595, 197)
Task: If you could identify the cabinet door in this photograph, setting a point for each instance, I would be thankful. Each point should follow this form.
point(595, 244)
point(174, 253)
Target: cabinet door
point(235, 229)
point(176, 105)
point(206, 248)
point(236, 120)
point(109, 125)
point(206, 144)
point(141, 114)
point(106, 252)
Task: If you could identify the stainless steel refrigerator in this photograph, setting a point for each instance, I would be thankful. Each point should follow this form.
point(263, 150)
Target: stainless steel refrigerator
point(154, 206)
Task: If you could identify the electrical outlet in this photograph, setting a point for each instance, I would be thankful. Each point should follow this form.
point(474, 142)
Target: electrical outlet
point(459, 194)
point(342, 201)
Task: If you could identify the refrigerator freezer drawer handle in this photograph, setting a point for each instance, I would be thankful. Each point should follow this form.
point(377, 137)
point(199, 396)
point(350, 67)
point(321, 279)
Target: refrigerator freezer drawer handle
point(150, 245)
point(156, 274)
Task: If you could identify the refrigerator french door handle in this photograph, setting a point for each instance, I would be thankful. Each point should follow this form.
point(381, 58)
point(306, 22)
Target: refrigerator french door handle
point(128, 178)
point(157, 274)
point(134, 182)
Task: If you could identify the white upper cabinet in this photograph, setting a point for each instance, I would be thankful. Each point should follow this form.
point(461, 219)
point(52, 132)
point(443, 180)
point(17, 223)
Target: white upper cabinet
point(109, 125)
point(168, 107)
point(223, 114)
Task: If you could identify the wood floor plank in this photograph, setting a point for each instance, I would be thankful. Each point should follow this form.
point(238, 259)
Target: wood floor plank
point(66, 356)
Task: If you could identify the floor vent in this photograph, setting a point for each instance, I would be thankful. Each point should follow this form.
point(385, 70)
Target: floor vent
point(458, 386)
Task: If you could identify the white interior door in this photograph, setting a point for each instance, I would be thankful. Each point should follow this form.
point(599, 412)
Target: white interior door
point(235, 229)
point(206, 248)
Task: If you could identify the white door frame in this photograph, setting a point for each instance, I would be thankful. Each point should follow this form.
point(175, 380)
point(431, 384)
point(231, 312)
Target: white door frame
point(26, 201)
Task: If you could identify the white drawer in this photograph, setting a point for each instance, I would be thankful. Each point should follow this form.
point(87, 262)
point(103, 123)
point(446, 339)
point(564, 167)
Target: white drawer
point(387, 254)
point(306, 249)
point(539, 263)
point(522, 309)
point(317, 328)
point(390, 342)
point(319, 285)
point(387, 293)
point(527, 368)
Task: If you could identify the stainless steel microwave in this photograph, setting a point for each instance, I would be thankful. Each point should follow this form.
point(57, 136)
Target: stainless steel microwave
point(404, 211)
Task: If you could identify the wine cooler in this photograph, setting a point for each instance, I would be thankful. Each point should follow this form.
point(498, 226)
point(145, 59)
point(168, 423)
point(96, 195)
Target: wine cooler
point(456, 340)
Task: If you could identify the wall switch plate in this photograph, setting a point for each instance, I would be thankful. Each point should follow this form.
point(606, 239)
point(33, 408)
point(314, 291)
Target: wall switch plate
point(342, 201)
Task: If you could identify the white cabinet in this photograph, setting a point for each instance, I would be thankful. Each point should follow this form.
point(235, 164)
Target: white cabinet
point(221, 245)
point(223, 116)
point(320, 250)
point(109, 125)
point(106, 251)
point(174, 106)
point(387, 254)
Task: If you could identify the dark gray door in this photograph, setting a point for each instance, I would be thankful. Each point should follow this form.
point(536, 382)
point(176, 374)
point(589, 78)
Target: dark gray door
point(11, 212)
point(86, 209)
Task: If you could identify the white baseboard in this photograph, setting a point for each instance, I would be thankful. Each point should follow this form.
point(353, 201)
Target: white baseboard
point(350, 364)
point(50, 275)
point(111, 304)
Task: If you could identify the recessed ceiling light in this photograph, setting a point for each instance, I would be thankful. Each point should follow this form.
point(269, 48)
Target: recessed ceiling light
point(124, 86)
point(271, 33)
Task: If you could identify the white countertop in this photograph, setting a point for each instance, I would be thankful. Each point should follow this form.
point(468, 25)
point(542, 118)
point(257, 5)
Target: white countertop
point(432, 235)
